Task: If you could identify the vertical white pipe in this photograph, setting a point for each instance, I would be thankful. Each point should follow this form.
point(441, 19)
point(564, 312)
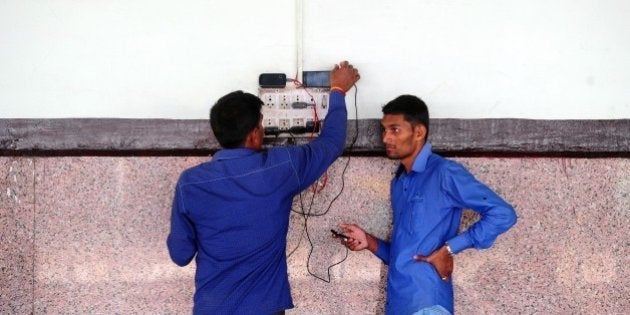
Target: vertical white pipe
point(299, 38)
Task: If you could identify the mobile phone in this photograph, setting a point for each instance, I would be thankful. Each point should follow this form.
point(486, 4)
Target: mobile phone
point(316, 79)
point(339, 235)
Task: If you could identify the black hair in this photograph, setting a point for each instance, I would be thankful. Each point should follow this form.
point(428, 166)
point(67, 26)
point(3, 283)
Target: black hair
point(412, 107)
point(233, 116)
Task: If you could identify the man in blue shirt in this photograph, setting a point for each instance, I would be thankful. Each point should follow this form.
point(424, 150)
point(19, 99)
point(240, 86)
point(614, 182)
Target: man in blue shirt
point(232, 212)
point(428, 194)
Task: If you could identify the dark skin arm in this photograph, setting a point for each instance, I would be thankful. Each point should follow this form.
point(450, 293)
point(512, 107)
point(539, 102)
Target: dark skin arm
point(441, 260)
point(358, 240)
point(344, 75)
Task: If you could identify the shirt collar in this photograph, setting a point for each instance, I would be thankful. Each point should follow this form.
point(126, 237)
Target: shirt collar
point(420, 164)
point(228, 154)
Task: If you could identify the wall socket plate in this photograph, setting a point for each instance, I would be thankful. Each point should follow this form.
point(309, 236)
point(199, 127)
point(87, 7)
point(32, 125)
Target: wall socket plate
point(290, 111)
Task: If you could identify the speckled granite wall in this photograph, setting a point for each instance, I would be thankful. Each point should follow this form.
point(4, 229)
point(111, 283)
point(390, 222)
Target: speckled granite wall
point(87, 235)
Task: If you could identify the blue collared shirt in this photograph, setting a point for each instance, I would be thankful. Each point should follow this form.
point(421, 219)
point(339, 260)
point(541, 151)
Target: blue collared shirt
point(427, 207)
point(233, 214)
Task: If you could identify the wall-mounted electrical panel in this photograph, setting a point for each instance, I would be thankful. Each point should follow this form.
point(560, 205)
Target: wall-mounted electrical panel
point(293, 111)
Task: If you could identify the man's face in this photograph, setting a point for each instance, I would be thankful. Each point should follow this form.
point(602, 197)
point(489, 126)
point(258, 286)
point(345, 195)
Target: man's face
point(402, 140)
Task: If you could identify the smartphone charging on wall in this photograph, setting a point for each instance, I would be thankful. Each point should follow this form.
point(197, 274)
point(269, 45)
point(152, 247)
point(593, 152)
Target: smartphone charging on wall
point(319, 79)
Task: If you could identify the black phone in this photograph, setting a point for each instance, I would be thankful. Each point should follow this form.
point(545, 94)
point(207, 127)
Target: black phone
point(339, 235)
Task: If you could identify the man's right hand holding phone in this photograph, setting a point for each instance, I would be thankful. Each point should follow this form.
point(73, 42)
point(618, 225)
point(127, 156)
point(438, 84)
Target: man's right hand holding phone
point(358, 239)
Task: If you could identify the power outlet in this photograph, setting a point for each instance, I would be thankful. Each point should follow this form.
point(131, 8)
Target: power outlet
point(283, 123)
point(283, 101)
point(297, 99)
point(293, 110)
point(270, 100)
point(298, 122)
point(323, 102)
point(269, 122)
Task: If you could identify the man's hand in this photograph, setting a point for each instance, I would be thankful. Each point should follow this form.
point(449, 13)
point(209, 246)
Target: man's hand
point(358, 239)
point(344, 76)
point(441, 260)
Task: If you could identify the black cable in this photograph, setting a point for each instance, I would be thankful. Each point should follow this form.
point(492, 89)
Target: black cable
point(308, 214)
point(302, 213)
point(352, 143)
point(305, 218)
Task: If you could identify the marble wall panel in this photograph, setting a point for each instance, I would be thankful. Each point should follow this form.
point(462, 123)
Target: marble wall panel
point(17, 227)
point(87, 235)
point(101, 230)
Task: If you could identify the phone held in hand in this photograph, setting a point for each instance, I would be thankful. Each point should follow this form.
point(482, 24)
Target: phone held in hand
point(339, 235)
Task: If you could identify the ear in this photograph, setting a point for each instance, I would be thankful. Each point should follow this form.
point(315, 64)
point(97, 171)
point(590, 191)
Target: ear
point(420, 131)
point(253, 139)
point(256, 136)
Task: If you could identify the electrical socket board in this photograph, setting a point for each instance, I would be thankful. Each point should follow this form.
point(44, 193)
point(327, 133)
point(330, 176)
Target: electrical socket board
point(291, 110)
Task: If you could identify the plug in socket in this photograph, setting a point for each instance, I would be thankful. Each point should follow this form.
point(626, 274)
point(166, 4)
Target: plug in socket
point(283, 123)
point(311, 126)
point(298, 102)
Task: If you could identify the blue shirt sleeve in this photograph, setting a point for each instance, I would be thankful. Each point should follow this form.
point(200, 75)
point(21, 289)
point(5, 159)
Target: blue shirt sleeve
point(465, 191)
point(181, 242)
point(310, 161)
point(382, 251)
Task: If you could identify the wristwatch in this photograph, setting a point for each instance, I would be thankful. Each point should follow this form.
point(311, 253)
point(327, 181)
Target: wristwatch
point(448, 249)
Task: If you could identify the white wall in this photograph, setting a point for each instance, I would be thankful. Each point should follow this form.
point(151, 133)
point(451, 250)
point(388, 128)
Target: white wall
point(562, 59)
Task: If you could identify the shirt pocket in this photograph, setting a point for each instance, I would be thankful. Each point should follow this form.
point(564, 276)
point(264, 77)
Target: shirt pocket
point(417, 210)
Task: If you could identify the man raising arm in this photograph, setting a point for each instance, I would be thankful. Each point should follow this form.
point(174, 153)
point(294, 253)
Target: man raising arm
point(232, 213)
